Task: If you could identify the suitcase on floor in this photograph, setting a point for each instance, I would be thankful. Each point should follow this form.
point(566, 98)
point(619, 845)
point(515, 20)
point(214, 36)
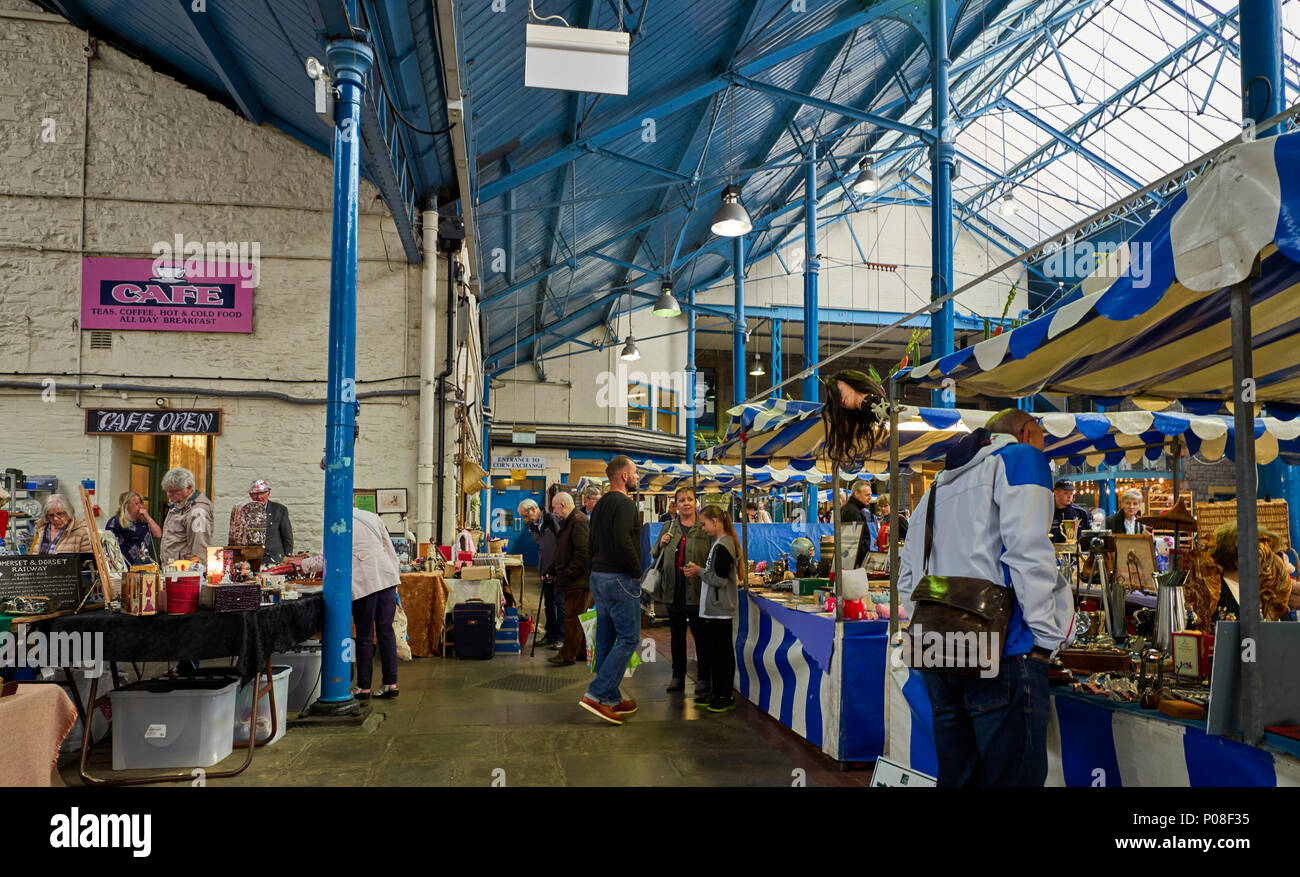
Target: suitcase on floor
point(475, 624)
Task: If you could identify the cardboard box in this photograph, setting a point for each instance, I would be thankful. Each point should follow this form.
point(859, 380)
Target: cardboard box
point(477, 573)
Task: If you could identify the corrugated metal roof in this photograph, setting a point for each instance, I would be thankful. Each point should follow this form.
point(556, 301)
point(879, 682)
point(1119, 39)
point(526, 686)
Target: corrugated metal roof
point(1012, 87)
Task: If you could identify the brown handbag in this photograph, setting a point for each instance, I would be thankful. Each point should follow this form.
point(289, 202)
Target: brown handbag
point(961, 611)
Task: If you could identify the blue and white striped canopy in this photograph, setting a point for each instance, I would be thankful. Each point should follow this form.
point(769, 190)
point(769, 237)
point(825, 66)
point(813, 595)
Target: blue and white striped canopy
point(796, 437)
point(1161, 330)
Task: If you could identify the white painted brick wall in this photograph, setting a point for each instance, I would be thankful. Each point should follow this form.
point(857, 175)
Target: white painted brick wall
point(162, 159)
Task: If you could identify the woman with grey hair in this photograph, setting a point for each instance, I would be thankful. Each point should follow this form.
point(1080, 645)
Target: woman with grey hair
point(1126, 519)
point(58, 531)
point(187, 528)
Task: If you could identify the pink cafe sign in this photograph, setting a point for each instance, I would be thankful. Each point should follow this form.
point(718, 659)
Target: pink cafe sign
point(198, 296)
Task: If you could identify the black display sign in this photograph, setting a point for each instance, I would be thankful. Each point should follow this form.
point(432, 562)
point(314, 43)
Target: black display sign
point(153, 421)
point(57, 576)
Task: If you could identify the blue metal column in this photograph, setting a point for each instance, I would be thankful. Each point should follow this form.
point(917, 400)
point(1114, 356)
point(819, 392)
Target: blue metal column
point(349, 62)
point(691, 401)
point(483, 510)
point(811, 343)
point(941, 321)
point(738, 327)
point(777, 377)
point(1261, 60)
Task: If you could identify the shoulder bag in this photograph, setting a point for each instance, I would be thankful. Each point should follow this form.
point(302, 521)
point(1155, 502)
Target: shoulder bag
point(961, 611)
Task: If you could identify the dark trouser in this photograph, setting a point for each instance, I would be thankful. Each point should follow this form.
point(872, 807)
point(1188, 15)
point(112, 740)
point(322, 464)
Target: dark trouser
point(722, 653)
point(576, 602)
point(373, 616)
point(991, 732)
point(553, 621)
point(678, 621)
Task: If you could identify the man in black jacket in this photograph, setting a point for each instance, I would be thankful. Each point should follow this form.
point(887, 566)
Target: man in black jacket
point(616, 590)
point(279, 532)
point(572, 576)
point(855, 511)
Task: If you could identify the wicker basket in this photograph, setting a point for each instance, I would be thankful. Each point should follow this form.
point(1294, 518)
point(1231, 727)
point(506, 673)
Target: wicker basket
point(1271, 515)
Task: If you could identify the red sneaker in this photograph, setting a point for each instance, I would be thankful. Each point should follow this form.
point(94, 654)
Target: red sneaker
point(626, 708)
point(606, 713)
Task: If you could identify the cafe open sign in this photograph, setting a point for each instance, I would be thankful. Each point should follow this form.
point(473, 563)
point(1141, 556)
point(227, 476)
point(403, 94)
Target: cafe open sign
point(130, 294)
point(151, 421)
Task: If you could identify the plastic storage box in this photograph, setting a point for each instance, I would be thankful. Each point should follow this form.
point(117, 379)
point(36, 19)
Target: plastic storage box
point(173, 723)
point(507, 638)
point(244, 707)
point(304, 683)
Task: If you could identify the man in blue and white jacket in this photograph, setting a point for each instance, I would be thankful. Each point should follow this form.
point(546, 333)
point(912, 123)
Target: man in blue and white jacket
point(992, 516)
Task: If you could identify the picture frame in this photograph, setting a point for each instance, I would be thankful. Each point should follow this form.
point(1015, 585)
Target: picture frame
point(1135, 561)
point(391, 501)
point(364, 499)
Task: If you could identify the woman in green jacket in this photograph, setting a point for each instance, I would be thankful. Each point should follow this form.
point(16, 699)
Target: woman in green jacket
point(684, 541)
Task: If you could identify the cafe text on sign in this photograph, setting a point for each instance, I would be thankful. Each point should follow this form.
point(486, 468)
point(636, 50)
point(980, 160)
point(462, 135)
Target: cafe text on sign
point(146, 421)
point(134, 294)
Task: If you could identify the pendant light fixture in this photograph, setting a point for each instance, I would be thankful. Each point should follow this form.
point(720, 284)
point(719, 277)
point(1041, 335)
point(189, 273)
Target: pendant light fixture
point(757, 369)
point(666, 305)
point(1009, 206)
point(731, 220)
point(868, 181)
point(630, 352)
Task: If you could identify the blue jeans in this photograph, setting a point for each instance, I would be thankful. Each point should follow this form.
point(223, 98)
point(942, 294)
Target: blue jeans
point(618, 631)
point(991, 732)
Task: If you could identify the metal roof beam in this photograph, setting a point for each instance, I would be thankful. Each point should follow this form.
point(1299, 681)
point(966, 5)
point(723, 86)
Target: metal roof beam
point(629, 265)
point(666, 106)
point(644, 165)
point(1051, 41)
point(831, 107)
point(223, 63)
point(1070, 144)
point(533, 278)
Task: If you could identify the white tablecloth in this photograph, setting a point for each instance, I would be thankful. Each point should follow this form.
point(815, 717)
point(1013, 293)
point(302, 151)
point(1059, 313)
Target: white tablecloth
point(487, 590)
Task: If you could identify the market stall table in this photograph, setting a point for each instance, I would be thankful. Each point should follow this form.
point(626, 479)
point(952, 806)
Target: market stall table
point(1095, 741)
point(33, 722)
point(251, 637)
point(424, 597)
point(819, 679)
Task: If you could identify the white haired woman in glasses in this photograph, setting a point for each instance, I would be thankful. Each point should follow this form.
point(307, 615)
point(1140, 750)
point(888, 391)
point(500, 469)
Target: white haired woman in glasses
point(58, 531)
point(1126, 519)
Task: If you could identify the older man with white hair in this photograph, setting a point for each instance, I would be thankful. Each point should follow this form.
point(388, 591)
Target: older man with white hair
point(572, 575)
point(187, 529)
point(544, 527)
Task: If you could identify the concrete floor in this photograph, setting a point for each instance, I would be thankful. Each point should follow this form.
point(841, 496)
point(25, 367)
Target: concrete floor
point(450, 728)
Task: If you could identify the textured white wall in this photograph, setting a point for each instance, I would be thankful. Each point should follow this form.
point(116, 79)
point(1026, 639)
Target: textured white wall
point(593, 374)
point(163, 160)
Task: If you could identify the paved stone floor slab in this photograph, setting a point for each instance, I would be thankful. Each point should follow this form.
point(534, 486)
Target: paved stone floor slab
point(448, 729)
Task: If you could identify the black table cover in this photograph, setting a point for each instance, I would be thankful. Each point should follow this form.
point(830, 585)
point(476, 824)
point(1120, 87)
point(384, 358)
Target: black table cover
point(251, 637)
